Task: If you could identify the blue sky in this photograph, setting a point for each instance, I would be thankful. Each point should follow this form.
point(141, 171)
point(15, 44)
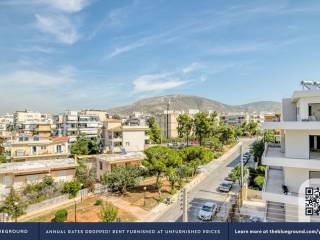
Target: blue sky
point(73, 54)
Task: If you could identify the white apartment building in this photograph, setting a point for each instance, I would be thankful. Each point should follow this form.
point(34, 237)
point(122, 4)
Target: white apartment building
point(73, 123)
point(234, 119)
point(295, 163)
point(117, 137)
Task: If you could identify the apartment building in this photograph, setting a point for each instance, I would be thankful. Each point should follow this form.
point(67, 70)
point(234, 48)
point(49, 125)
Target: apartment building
point(295, 163)
point(106, 162)
point(26, 148)
point(234, 119)
point(73, 123)
point(117, 137)
point(17, 175)
point(271, 117)
point(101, 114)
point(168, 123)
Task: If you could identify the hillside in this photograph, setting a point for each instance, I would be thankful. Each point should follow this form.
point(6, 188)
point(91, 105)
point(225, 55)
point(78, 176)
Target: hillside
point(186, 102)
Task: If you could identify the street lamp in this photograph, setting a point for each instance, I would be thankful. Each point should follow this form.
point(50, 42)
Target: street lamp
point(81, 192)
point(15, 209)
point(144, 195)
point(75, 210)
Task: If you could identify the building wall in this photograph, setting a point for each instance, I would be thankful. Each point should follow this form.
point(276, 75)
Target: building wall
point(297, 143)
point(302, 105)
point(295, 177)
point(289, 110)
point(19, 182)
point(133, 141)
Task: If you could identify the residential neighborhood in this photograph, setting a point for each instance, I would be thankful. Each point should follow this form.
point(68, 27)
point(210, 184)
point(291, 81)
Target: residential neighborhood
point(159, 111)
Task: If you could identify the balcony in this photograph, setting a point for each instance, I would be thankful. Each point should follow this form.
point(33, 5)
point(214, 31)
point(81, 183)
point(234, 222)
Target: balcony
point(274, 156)
point(272, 189)
point(293, 125)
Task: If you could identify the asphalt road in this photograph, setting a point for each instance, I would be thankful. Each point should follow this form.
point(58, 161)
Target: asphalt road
point(207, 190)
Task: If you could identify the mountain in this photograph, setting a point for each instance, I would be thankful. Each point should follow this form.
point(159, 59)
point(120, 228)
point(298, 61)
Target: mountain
point(185, 102)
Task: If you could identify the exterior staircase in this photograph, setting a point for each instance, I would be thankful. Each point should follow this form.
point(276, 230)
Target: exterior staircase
point(275, 212)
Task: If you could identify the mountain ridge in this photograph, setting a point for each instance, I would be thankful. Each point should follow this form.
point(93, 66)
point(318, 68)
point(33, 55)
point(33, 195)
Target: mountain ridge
point(181, 102)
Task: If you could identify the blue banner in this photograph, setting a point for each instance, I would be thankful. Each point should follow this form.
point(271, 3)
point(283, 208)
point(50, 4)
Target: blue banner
point(155, 231)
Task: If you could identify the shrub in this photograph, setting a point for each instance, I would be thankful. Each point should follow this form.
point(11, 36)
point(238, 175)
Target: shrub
point(173, 191)
point(61, 215)
point(71, 188)
point(160, 199)
point(108, 213)
point(259, 181)
point(98, 202)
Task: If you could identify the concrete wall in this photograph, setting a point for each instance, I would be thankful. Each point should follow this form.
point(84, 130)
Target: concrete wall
point(133, 141)
point(289, 110)
point(303, 104)
point(297, 143)
point(294, 178)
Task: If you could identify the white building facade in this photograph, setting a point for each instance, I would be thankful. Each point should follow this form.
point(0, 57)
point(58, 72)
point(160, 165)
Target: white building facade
point(295, 163)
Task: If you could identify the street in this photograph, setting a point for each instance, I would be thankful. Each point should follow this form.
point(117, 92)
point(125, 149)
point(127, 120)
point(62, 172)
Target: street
point(207, 190)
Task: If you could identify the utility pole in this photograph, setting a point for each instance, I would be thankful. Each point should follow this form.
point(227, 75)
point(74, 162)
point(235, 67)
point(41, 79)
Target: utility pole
point(168, 108)
point(241, 175)
point(185, 206)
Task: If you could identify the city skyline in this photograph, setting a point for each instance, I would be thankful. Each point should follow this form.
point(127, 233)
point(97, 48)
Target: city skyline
point(59, 55)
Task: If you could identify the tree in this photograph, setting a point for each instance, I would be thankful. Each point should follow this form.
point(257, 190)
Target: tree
point(108, 213)
point(3, 158)
point(269, 136)
point(116, 116)
point(259, 181)
point(257, 149)
point(214, 143)
point(184, 126)
point(227, 134)
point(195, 156)
point(253, 128)
point(71, 188)
point(93, 146)
point(235, 173)
point(13, 205)
point(85, 175)
point(60, 215)
point(154, 132)
point(202, 126)
point(183, 172)
point(172, 177)
point(80, 146)
point(122, 177)
point(159, 159)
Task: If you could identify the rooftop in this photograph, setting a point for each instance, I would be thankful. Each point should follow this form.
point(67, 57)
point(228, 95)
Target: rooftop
point(36, 165)
point(122, 157)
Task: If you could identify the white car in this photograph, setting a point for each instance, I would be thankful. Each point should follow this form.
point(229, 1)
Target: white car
point(207, 211)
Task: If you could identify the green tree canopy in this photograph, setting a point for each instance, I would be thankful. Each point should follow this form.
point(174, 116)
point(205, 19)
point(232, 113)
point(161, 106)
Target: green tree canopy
point(159, 159)
point(80, 146)
point(184, 126)
point(71, 188)
point(154, 132)
point(257, 149)
point(13, 205)
point(195, 156)
point(122, 177)
point(85, 176)
point(203, 126)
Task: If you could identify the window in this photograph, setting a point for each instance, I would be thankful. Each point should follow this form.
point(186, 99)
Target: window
point(34, 149)
point(7, 181)
point(19, 152)
point(43, 147)
point(314, 177)
point(127, 144)
point(59, 148)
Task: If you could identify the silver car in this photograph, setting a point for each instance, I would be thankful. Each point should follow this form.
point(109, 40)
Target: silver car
point(225, 186)
point(207, 211)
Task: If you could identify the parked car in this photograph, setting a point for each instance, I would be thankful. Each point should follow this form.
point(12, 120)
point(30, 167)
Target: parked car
point(207, 211)
point(225, 186)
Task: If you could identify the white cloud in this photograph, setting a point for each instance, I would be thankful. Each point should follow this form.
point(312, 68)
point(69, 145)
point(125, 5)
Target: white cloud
point(156, 83)
point(191, 68)
point(127, 48)
point(65, 5)
point(58, 26)
point(38, 49)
